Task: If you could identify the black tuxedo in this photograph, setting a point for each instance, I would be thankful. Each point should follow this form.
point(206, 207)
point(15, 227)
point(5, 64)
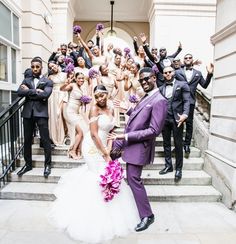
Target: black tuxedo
point(177, 104)
point(196, 79)
point(35, 111)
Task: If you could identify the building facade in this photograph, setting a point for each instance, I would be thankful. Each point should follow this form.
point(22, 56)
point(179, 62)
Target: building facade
point(38, 27)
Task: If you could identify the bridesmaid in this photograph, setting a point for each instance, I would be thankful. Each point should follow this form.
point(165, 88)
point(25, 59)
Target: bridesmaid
point(55, 104)
point(74, 115)
point(132, 83)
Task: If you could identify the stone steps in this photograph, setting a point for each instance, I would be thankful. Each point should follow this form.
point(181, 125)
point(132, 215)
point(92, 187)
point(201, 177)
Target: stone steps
point(150, 177)
point(61, 161)
point(62, 150)
point(164, 193)
point(159, 141)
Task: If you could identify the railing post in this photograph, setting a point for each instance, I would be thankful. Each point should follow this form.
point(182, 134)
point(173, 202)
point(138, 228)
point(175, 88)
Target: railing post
point(12, 138)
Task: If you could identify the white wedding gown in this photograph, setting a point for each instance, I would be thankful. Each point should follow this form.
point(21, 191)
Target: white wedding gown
point(80, 209)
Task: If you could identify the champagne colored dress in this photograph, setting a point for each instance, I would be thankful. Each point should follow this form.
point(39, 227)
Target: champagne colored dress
point(55, 109)
point(75, 113)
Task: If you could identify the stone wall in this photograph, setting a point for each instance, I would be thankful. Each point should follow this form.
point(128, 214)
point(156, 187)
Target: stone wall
point(221, 154)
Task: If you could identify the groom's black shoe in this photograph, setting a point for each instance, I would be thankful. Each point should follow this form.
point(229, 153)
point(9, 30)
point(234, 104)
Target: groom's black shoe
point(24, 169)
point(145, 222)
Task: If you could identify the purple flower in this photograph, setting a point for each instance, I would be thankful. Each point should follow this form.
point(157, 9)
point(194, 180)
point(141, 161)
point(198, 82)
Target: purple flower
point(155, 69)
point(85, 99)
point(99, 27)
point(92, 73)
point(126, 50)
point(77, 29)
point(111, 180)
point(68, 60)
point(133, 99)
point(69, 68)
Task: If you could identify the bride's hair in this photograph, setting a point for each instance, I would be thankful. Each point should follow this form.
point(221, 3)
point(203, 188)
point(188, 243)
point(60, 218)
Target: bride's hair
point(100, 88)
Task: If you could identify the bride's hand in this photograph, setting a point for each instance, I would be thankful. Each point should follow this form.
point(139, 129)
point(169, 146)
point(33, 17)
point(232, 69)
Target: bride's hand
point(107, 157)
point(114, 136)
point(120, 104)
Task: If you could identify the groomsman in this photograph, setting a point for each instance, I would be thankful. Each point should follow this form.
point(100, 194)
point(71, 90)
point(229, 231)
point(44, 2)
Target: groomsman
point(193, 78)
point(178, 96)
point(36, 89)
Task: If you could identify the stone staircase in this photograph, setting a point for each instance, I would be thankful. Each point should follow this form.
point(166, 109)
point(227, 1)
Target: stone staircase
point(195, 185)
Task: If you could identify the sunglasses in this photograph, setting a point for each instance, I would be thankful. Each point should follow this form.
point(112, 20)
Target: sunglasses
point(145, 79)
point(188, 57)
point(167, 72)
point(35, 66)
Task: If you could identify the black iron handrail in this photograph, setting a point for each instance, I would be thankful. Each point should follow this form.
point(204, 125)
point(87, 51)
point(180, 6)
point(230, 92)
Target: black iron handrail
point(11, 138)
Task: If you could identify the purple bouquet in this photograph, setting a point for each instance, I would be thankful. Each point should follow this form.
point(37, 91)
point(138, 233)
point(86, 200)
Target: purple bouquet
point(133, 99)
point(68, 60)
point(85, 99)
point(111, 180)
point(93, 73)
point(77, 29)
point(99, 27)
point(69, 68)
point(126, 50)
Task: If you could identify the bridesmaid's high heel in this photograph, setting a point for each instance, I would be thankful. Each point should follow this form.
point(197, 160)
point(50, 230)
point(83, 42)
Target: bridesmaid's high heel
point(73, 155)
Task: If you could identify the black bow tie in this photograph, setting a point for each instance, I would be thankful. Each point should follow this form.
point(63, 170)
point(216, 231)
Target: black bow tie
point(189, 68)
point(169, 83)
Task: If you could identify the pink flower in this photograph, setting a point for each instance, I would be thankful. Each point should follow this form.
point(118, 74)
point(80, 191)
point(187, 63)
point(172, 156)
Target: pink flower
point(111, 180)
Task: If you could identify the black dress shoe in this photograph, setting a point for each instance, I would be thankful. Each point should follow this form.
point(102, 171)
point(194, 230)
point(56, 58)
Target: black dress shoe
point(24, 169)
point(178, 175)
point(166, 170)
point(187, 149)
point(145, 222)
point(47, 171)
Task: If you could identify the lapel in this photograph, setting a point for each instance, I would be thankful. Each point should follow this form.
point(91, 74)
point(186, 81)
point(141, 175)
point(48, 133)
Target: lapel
point(41, 83)
point(183, 73)
point(193, 75)
point(139, 108)
point(174, 88)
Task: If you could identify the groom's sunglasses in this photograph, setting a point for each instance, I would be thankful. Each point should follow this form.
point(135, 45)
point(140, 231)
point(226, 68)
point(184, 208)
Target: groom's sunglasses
point(145, 79)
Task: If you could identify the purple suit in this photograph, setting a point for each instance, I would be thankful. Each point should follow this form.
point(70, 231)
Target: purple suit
point(145, 123)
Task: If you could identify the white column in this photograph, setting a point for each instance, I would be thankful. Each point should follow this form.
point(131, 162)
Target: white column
point(221, 156)
point(191, 22)
point(62, 22)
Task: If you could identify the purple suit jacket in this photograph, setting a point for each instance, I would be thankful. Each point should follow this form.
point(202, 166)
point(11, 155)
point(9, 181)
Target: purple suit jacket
point(145, 123)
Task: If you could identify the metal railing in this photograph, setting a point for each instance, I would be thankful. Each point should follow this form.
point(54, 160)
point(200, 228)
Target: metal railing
point(11, 138)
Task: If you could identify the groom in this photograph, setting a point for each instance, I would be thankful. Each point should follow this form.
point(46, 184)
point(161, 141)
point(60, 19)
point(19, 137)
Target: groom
point(145, 123)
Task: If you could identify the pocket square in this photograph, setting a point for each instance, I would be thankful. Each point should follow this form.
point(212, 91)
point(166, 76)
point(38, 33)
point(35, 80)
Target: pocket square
point(148, 105)
point(197, 74)
point(178, 88)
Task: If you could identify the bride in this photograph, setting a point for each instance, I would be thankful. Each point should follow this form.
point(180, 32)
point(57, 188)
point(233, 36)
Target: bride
point(80, 208)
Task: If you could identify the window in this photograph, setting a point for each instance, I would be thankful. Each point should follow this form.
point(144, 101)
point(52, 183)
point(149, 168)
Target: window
point(13, 65)
point(4, 100)
point(9, 51)
point(3, 62)
point(5, 22)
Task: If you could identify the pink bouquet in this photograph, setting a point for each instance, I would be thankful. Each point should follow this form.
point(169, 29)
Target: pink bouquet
point(68, 60)
point(111, 180)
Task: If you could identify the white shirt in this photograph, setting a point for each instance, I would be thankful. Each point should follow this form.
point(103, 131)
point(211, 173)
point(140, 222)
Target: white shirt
point(188, 74)
point(169, 90)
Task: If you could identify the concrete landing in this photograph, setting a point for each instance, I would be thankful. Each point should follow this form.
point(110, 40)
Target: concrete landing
point(25, 222)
